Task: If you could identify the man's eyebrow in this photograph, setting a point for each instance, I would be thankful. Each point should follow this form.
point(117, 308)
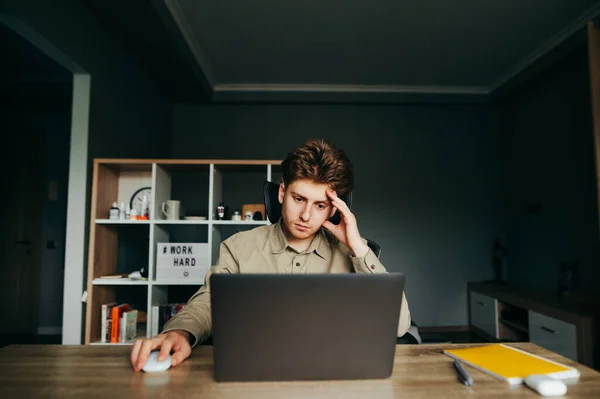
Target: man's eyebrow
point(294, 193)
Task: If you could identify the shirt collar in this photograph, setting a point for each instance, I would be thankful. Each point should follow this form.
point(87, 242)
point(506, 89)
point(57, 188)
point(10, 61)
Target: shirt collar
point(320, 244)
point(278, 240)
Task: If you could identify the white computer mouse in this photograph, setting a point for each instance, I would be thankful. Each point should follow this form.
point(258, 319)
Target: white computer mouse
point(153, 365)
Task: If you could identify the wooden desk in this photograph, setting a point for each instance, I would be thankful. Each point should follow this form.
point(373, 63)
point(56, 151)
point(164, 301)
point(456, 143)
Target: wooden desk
point(35, 371)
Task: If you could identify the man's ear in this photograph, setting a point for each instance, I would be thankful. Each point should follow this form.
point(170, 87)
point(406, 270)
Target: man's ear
point(281, 192)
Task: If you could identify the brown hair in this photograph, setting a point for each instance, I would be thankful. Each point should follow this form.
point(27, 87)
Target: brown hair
point(320, 161)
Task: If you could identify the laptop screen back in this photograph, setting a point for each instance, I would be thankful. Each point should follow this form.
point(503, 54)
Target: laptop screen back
point(277, 327)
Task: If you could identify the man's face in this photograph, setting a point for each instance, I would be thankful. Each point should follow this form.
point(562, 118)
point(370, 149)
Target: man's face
point(305, 206)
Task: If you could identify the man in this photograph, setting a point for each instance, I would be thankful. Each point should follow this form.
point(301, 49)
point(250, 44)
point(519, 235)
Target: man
point(315, 176)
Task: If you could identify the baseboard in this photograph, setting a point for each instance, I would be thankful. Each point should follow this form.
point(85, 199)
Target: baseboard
point(49, 330)
point(444, 329)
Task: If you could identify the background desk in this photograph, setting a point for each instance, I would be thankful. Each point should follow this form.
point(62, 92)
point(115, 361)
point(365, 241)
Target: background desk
point(104, 372)
point(512, 313)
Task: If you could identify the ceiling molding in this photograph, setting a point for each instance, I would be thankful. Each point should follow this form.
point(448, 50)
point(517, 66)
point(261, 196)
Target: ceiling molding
point(181, 22)
point(546, 47)
point(353, 88)
point(348, 93)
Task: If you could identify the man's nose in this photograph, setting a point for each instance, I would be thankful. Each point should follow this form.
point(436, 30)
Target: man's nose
point(305, 214)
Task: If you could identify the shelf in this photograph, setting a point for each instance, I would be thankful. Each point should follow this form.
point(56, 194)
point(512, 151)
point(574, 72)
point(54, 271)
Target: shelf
point(186, 222)
point(118, 281)
point(515, 325)
point(120, 246)
point(178, 282)
point(109, 221)
point(113, 344)
point(241, 223)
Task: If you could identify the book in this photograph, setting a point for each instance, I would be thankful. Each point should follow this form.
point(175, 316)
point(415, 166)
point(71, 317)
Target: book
point(161, 314)
point(510, 364)
point(121, 275)
point(116, 313)
point(154, 327)
point(128, 326)
point(105, 322)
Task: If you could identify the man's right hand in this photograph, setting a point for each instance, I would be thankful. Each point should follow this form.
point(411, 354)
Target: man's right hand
point(176, 340)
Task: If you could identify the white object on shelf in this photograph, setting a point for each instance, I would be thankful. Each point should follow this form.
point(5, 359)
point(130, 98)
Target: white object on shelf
point(135, 276)
point(113, 212)
point(122, 211)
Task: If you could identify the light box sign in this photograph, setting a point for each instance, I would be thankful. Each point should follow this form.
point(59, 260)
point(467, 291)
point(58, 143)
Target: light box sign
point(182, 261)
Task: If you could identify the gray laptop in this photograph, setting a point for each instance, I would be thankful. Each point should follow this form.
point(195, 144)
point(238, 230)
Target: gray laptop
point(283, 327)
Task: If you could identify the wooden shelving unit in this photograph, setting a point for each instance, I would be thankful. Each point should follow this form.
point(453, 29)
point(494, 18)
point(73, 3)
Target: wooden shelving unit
point(124, 246)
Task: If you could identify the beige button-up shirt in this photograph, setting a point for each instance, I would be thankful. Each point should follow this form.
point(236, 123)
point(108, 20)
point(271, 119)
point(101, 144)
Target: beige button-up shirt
point(265, 249)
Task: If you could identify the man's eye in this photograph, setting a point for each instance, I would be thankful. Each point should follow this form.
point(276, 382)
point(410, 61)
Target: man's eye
point(298, 199)
point(321, 206)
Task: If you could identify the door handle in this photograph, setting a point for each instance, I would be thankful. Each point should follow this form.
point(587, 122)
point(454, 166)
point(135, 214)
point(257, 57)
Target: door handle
point(547, 329)
point(480, 303)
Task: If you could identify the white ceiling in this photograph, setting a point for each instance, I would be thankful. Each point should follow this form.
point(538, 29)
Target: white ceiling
point(380, 50)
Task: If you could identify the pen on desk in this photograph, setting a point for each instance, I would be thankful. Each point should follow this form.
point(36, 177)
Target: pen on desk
point(463, 375)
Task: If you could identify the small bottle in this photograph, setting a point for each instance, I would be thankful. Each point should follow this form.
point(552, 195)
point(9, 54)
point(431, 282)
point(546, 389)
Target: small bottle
point(144, 211)
point(133, 214)
point(113, 212)
point(221, 211)
point(127, 212)
point(122, 211)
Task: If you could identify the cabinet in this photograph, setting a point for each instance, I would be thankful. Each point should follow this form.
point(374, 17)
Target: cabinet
point(553, 334)
point(124, 246)
point(512, 313)
point(484, 313)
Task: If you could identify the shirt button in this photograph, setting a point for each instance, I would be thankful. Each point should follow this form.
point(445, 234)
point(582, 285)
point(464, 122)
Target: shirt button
point(372, 267)
point(298, 264)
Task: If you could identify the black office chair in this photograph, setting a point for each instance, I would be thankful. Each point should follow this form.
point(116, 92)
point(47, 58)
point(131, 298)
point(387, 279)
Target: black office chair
point(273, 210)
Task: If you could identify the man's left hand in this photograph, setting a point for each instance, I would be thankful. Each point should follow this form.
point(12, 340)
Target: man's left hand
point(347, 231)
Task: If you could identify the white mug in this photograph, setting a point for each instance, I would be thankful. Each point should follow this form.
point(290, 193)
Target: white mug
point(172, 209)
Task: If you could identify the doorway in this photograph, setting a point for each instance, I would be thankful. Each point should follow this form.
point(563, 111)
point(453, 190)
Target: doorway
point(36, 96)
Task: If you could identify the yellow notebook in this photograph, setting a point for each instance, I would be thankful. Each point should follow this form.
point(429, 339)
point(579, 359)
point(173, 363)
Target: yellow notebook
point(510, 364)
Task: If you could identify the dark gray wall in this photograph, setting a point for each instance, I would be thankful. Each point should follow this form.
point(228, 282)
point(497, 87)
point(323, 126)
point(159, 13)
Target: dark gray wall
point(129, 117)
point(426, 181)
point(548, 160)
